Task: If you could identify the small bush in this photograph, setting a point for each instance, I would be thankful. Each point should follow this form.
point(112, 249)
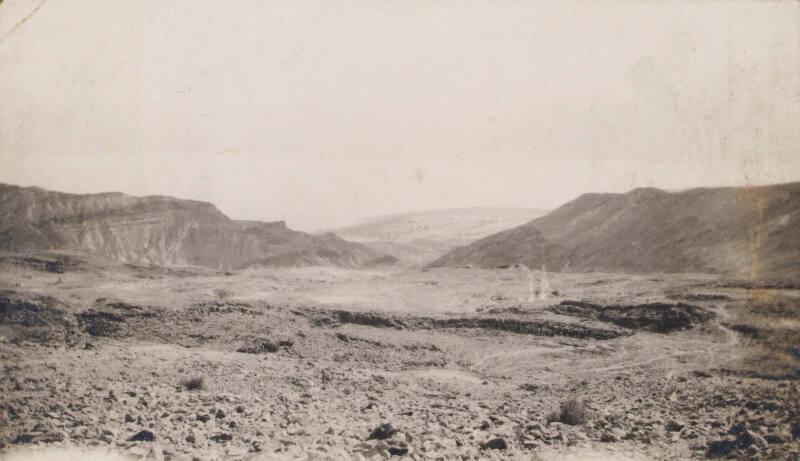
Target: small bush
point(265, 345)
point(572, 412)
point(194, 384)
point(222, 294)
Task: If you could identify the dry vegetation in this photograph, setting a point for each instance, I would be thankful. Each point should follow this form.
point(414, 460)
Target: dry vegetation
point(767, 324)
point(572, 412)
point(194, 384)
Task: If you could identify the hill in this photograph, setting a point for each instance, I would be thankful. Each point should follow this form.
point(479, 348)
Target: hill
point(753, 231)
point(161, 230)
point(420, 237)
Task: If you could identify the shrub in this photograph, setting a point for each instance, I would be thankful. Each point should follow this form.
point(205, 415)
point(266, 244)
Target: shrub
point(194, 384)
point(266, 345)
point(572, 412)
point(222, 294)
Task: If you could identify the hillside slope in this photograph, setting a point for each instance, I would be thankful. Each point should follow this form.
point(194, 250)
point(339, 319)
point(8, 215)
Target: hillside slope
point(418, 238)
point(753, 231)
point(161, 231)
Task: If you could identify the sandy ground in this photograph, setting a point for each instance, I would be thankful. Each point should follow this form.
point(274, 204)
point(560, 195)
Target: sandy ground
point(310, 363)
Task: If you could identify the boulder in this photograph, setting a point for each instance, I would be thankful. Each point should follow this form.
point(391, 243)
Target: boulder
point(494, 444)
point(720, 448)
point(382, 432)
point(143, 436)
point(748, 438)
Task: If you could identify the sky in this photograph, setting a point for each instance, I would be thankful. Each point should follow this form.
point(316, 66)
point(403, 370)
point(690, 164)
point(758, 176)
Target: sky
point(322, 113)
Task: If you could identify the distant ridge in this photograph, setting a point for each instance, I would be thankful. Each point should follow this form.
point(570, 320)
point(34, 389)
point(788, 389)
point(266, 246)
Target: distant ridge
point(453, 224)
point(161, 230)
point(750, 231)
point(416, 238)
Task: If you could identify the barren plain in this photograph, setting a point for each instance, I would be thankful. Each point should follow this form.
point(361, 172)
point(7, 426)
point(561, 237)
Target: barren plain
point(452, 363)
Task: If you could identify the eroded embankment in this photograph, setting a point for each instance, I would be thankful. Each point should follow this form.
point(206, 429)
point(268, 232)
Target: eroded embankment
point(334, 317)
point(653, 317)
point(54, 264)
point(36, 318)
point(47, 320)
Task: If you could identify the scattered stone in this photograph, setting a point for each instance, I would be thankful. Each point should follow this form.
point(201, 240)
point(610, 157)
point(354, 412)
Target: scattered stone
point(265, 345)
point(382, 432)
point(203, 418)
point(608, 438)
point(748, 438)
point(720, 448)
point(774, 439)
point(398, 451)
point(674, 426)
point(143, 436)
point(23, 438)
point(221, 437)
point(106, 436)
point(737, 428)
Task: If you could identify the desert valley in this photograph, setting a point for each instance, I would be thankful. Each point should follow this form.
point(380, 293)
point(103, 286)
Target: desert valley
point(399, 230)
point(639, 326)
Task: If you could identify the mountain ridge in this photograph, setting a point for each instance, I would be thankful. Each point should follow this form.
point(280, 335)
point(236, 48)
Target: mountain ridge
point(745, 230)
point(161, 230)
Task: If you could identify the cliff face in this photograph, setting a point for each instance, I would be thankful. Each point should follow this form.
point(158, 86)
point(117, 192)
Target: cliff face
point(752, 231)
point(161, 231)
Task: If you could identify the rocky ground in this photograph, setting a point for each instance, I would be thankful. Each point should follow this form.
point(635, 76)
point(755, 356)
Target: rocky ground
point(445, 364)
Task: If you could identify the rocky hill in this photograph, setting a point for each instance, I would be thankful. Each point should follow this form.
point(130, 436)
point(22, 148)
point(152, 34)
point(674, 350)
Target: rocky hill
point(749, 231)
point(418, 238)
point(161, 231)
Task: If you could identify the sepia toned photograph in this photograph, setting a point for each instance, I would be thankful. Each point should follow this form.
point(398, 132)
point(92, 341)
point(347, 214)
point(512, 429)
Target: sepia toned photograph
point(399, 230)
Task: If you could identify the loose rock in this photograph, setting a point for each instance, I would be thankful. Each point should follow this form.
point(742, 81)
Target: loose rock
point(494, 444)
point(382, 432)
point(143, 436)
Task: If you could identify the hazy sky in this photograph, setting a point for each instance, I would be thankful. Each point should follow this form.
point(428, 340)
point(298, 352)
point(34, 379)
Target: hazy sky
point(322, 113)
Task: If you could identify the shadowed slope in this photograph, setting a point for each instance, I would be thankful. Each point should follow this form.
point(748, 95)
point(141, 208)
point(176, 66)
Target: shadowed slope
point(748, 231)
